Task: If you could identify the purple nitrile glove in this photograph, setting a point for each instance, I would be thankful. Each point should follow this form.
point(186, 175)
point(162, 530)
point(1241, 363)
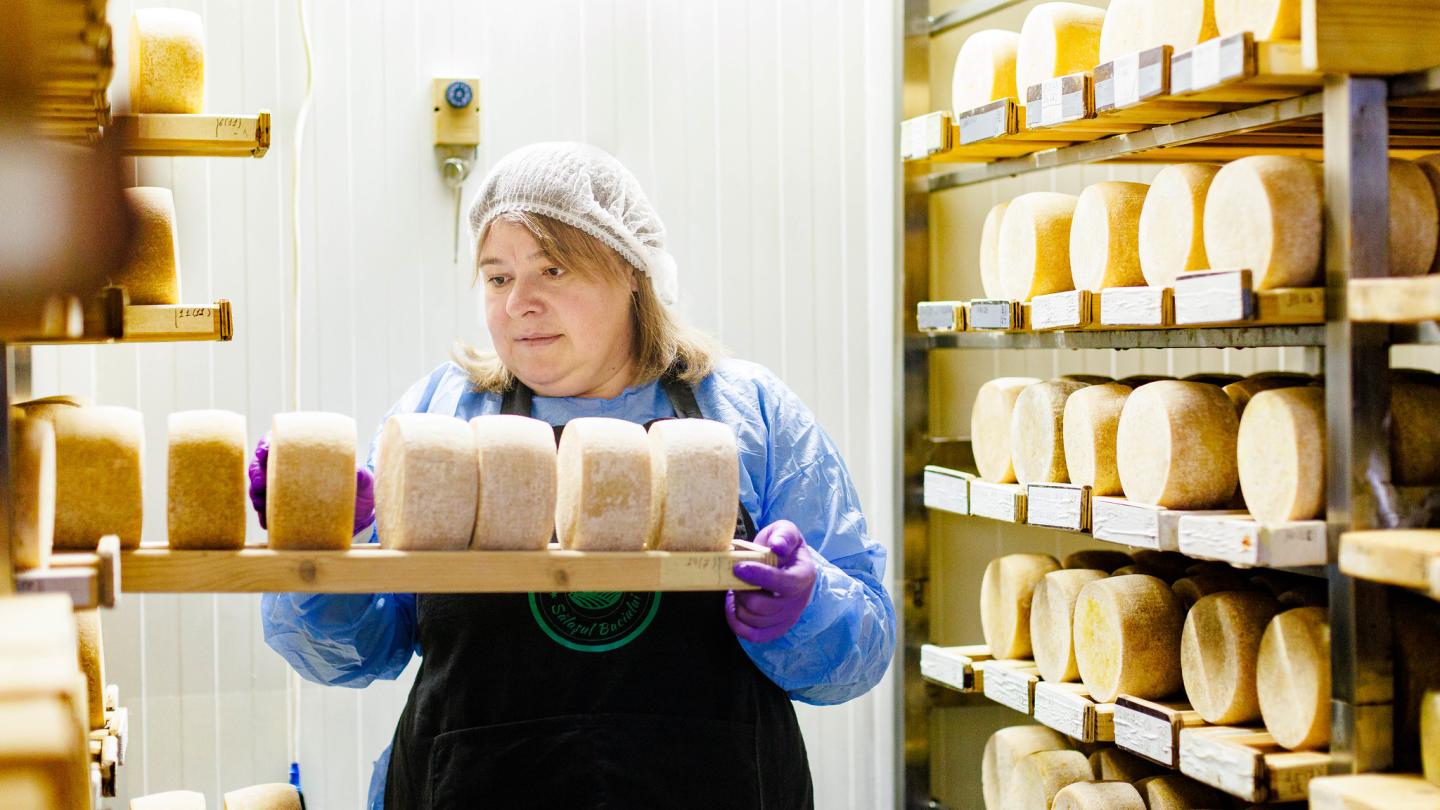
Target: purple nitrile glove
point(364, 488)
point(769, 613)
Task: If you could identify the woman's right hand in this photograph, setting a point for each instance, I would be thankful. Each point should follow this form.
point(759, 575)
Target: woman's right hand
point(364, 488)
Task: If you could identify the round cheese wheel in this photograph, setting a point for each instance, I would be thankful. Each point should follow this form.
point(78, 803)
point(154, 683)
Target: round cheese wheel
point(990, 280)
point(170, 800)
point(990, 421)
point(1172, 223)
point(1004, 750)
point(91, 652)
point(1293, 678)
point(1264, 214)
point(1414, 220)
point(167, 61)
point(1175, 446)
point(1414, 445)
point(1113, 765)
point(1037, 443)
point(1195, 587)
point(275, 796)
point(515, 508)
point(32, 444)
point(206, 480)
point(1214, 378)
point(1091, 421)
point(99, 474)
point(1057, 39)
point(1127, 638)
point(694, 485)
point(1137, 380)
point(1176, 792)
point(1105, 236)
point(1138, 25)
point(151, 274)
point(1218, 649)
point(1088, 379)
point(1041, 775)
point(1305, 594)
point(984, 70)
point(310, 481)
point(1430, 165)
point(1098, 796)
point(1266, 19)
point(1035, 244)
point(1097, 560)
point(1052, 613)
point(1170, 562)
point(1281, 450)
point(1245, 390)
point(426, 483)
point(1006, 592)
point(603, 499)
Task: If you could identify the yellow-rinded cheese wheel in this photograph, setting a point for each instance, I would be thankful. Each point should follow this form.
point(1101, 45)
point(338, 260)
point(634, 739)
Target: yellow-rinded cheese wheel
point(91, 650)
point(1245, 390)
point(1218, 649)
point(1292, 678)
point(1088, 379)
point(1004, 750)
point(1091, 421)
point(1264, 214)
point(1105, 236)
point(425, 483)
point(990, 420)
point(603, 500)
point(1193, 588)
point(167, 61)
point(1006, 592)
point(694, 485)
point(1176, 792)
point(1414, 220)
point(33, 455)
point(1266, 19)
point(310, 481)
point(1037, 442)
point(1098, 796)
point(1097, 559)
point(1035, 244)
point(1372, 791)
point(1041, 775)
point(99, 455)
point(275, 796)
point(1430, 165)
point(1127, 637)
point(1052, 614)
point(1113, 765)
point(1172, 222)
point(1414, 444)
point(1175, 446)
point(151, 273)
point(170, 800)
point(1137, 25)
point(1214, 378)
point(990, 280)
point(40, 736)
point(1429, 728)
point(984, 70)
point(1281, 450)
point(1057, 39)
point(1137, 380)
point(207, 480)
point(516, 507)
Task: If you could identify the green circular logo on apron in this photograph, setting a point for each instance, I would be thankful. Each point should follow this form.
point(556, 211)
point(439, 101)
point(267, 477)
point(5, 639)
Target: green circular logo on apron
point(594, 621)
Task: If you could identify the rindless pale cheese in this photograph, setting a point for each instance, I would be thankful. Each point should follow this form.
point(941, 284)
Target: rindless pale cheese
point(515, 508)
point(1414, 220)
point(1035, 243)
point(1127, 638)
point(1037, 443)
point(1281, 455)
point(1218, 650)
point(1137, 25)
point(1098, 796)
point(1105, 236)
point(1266, 19)
point(151, 273)
point(1041, 775)
point(1052, 613)
point(310, 481)
point(1004, 750)
point(1006, 593)
point(1091, 422)
point(425, 483)
point(167, 61)
point(32, 443)
point(207, 483)
point(1292, 678)
point(1175, 446)
point(990, 421)
point(984, 70)
point(274, 796)
point(603, 500)
point(99, 475)
point(1057, 39)
point(1264, 214)
point(1172, 223)
point(990, 279)
point(694, 484)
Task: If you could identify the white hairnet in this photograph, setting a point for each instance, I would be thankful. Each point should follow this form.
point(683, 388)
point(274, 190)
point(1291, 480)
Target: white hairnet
point(586, 188)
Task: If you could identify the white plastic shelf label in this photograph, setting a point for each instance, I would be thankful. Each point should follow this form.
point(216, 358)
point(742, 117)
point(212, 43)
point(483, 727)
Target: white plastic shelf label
point(1132, 78)
point(994, 120)
point(994, 314)
point(1213, 63)
point(1057, 101)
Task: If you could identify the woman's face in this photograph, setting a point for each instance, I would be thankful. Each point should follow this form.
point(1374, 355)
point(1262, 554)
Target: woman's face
point(562, 333)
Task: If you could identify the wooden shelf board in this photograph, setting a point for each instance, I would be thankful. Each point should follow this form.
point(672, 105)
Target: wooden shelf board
point(199, 135)
point(169, 323)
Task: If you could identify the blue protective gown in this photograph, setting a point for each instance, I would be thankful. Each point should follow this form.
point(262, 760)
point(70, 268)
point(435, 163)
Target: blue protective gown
point(789, 469)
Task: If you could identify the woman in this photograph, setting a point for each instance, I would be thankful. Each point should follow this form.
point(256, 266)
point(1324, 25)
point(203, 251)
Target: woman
point(685, 700)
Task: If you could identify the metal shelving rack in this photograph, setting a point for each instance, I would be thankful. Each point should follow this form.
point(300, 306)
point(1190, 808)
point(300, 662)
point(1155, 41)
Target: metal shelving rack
point(1349, 122)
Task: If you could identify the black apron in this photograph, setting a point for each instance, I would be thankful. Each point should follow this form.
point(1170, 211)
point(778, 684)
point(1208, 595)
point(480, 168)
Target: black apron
point(620, 701)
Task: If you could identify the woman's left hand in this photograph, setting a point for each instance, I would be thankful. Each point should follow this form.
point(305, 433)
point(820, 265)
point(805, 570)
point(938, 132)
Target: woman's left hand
point(785, 588)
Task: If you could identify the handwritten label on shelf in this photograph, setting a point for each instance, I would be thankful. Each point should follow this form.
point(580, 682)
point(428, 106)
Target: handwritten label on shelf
point(194, 319)
point(948, 493)
point(993, 314)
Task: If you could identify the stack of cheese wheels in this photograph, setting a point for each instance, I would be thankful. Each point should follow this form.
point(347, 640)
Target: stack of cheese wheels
point(1218, 651)
point(1264, 214)
point(1006, 593)
point(32, 442)
point(425, 483)
point(91, 652)
point(274, 796)
point(990, 421)
point(1281, 449)
point(1035, 244)
point(1037, 443)
point(603, 499)
point(1098, 796)
point(99, 454)
point(1430, 165)
point(1429, 733)
point(310, 481)
point(151, 274)
point(1414, 220)
point(207, 480)
point(990, 278)
point(1137, 25)
point(1292, 678)
point(1193, 588)
point(1097, 559)
point(1003, 751)
point(170, 800)
point(694, 485)
point(1414, 446)
point(1175, 446)
point(515, 509)
point(1052, 614)
point(1105, 236)
point(1090, 423)
point(1172, 223)
point(1127, 638)
point(1041, 775)
point(1245, 390)
point(167, 61)
point(984, 70)
point(1057, 39)
point(1176, 792)
point(1114, 765)
point(1266, 19)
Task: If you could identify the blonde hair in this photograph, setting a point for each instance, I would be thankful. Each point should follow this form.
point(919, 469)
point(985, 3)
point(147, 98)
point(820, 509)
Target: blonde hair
point(660, 340)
